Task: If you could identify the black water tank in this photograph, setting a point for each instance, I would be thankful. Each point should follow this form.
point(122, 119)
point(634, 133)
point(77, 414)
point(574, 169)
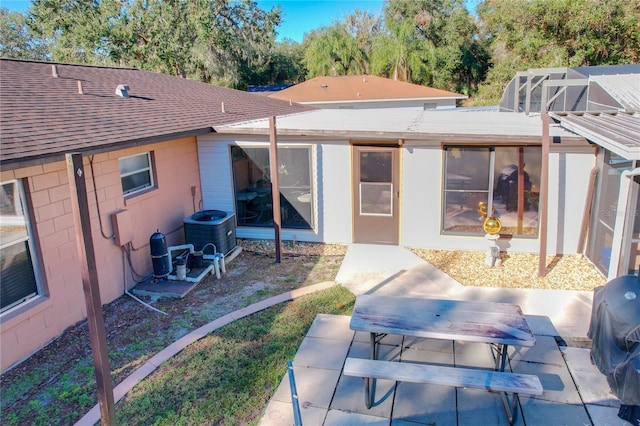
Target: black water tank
point(211, 226)
point(159, 255)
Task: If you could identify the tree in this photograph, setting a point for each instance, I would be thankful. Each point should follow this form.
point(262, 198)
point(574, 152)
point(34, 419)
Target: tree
point(556, 33)
point(332, 51)
point(365, 28)
point(208, 40)
point(79, 30)
point(17, 40)
point(282, 65)
point(432, 42)
point(400, 54)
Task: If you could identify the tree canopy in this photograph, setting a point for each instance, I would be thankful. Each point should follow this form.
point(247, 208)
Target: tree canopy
point(233, 42)
point(526, 34)
point(208, 40)
point(17, 40)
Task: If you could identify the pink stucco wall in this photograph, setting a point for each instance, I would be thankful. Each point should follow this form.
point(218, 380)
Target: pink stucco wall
point(27, 328)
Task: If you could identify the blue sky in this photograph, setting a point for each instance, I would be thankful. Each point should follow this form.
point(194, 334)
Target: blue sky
point(301, 16)
point(298, 16)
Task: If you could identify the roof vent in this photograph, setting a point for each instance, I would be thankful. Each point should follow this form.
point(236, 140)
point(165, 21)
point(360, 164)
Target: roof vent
point(122, 90)
point(54, 71)
point(324, 85)
point(80, 89)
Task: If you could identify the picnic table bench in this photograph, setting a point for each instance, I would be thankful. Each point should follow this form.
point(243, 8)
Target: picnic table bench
point(497, 324)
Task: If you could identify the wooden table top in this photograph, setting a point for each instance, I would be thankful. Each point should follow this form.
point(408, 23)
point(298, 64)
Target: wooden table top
point(472, 321)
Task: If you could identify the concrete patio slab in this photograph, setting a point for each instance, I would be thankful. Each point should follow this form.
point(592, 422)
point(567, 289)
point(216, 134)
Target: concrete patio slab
point(342, 418)
point(411, 404)
point(557, 381)
point(334, 326)
point(476, 406)
point(321, 353)
point(391, 260)
point(349, 396)
point(425, 404)
point(545, 351)
point(592, 385)
point(605, 416)
point(575, 392)
point(315, 387)
point(540, 412)
point(281, 413)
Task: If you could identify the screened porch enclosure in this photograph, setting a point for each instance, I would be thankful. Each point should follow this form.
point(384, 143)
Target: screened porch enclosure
point(503, 179)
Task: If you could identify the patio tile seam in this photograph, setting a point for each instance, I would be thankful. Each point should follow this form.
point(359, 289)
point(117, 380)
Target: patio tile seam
point(93, 415)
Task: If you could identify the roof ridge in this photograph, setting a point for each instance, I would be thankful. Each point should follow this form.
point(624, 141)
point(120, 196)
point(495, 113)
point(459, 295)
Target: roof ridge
point(33, 61)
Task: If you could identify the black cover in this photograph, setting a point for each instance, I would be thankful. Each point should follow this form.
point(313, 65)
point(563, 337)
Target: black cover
point(615, 334)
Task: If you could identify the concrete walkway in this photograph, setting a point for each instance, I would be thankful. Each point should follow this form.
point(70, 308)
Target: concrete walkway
point(576, 393)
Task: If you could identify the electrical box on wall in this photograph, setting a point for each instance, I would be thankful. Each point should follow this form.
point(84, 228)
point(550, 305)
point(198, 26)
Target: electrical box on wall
point(122, 227)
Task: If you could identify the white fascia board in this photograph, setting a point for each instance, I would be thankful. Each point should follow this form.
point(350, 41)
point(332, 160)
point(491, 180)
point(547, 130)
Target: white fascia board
point(439, 98)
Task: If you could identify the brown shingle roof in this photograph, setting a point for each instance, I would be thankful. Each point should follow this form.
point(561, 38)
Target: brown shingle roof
point(359, 88)
point(42, 117)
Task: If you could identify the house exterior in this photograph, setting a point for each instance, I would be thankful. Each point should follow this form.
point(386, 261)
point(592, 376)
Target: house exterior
point(418, 179)
point(158, 148)
point(388, 177)
point(367, 92)
point(142, 172)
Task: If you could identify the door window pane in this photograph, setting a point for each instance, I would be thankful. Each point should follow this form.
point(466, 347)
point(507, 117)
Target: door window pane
point(376, 199)
point(376, 166)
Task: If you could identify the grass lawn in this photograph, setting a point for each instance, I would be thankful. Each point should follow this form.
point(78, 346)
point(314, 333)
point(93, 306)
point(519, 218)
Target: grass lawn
point(228, 377)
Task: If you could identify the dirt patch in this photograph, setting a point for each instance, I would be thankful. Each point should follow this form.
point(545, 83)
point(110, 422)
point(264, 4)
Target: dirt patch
point(57, 386)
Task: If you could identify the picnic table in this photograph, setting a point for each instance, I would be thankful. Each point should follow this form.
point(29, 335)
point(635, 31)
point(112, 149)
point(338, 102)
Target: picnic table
point(497, 324)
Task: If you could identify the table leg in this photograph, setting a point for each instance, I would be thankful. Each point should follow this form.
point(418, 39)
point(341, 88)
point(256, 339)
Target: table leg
point(499, 356)
point(510, 407)
point(370, 383)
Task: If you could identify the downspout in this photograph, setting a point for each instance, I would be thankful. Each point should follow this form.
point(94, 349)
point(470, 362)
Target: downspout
point(620, 222)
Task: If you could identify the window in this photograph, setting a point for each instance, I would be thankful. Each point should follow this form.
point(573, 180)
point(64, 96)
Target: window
point(429, 106)
point(252, 186)
point(605, 208)
point(136, 173)
point(508, 176)
point(18, 279)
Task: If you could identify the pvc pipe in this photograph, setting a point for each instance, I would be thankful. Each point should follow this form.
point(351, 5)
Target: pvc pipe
point(216, 266)
point(180, 247)
point(145, 304)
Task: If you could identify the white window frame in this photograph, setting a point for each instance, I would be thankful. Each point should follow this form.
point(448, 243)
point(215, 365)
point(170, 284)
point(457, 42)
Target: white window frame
point(149, 168)
point(17, 220)
point(312, 177)
point(490, 191)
